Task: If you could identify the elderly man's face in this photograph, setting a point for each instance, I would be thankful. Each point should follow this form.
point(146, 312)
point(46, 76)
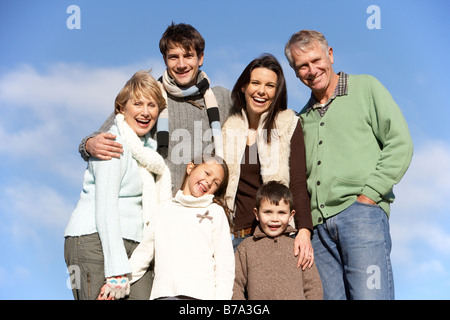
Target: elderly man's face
point(314, 67)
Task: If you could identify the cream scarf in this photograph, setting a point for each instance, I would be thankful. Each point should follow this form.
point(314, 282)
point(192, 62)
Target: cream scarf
point(157, 186)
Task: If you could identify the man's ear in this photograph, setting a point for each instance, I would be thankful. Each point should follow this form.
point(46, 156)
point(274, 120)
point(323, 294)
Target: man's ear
point(200, 59)
point(255, 211)
point(330, 55)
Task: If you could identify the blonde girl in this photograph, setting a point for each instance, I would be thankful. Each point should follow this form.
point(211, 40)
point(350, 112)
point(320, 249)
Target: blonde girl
point(189, 238)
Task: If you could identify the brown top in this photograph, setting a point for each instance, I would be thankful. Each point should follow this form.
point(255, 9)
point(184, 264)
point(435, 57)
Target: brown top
point(250, 180)
point(266, 269)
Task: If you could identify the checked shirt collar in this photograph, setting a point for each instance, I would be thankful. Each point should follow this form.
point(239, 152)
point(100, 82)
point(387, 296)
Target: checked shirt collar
point(340, 90)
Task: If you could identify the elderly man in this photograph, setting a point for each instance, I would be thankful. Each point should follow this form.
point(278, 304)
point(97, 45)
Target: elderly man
point(357, 147)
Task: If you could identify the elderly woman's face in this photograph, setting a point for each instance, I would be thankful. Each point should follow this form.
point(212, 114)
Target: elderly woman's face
point(260, 91)
point(140, 114)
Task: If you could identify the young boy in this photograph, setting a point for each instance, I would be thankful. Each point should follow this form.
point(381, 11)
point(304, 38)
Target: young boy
point(266, 268)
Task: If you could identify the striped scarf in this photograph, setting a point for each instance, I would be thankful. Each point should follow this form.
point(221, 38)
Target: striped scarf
point(168, 85)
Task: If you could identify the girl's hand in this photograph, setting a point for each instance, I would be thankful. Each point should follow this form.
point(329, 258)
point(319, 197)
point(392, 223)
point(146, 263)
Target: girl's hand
point(115, 288)
point(102, 296)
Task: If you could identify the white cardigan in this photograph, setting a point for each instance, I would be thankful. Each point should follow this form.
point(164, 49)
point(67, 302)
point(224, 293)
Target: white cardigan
point(189, 238)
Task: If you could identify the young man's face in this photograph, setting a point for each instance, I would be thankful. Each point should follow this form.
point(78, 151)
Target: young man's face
point(183, 65)
point(272, 218)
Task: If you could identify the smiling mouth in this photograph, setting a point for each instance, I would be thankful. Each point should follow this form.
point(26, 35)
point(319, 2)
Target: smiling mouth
point(202, 188)
point(259, 100)
point(182, 73)
point(143, 123)
point(315, 78)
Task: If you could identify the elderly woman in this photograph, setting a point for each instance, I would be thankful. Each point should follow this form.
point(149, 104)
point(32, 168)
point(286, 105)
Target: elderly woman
point(263, 141)
point(118, 198)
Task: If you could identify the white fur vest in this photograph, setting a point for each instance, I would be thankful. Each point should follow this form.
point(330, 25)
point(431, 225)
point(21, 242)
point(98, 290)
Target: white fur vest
point(274, 157)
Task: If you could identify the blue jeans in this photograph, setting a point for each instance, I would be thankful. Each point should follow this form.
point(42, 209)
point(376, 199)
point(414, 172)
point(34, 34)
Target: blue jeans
point(237, 241)
point(351, 251)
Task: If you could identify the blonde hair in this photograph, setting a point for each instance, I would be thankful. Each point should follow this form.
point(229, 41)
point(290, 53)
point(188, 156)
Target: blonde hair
point(141, 84)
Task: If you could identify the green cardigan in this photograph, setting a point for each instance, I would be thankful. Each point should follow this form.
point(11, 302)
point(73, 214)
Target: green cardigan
point(361, 145)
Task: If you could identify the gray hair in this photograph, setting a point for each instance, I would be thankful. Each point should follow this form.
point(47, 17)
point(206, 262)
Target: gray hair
point(304, 40)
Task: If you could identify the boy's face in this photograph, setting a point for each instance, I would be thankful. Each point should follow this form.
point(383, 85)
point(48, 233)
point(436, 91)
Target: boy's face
point(272, 218)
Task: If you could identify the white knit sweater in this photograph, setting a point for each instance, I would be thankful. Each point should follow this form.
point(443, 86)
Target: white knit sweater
point(189, 238)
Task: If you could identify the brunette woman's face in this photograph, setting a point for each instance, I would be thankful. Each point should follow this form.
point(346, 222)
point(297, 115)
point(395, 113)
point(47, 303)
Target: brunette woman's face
point(205, 178)
point(260, 91)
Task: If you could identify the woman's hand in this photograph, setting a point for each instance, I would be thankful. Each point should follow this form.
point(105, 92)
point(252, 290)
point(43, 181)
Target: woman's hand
point(303, 249)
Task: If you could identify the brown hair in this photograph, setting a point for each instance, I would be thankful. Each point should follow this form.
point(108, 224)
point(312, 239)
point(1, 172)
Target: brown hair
point(183, 35)
point(274, 192)
point(279, 102)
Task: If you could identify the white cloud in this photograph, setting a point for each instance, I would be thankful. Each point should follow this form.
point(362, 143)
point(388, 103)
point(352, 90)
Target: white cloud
point(74, 88)
point(419, 219)
point(426, 185)
point(33, 209)
point(10, 276)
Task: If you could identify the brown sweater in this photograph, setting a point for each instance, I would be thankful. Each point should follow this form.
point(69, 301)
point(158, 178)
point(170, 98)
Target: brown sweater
point(266, 269)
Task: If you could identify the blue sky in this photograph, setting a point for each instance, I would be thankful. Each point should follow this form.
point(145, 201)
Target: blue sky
point(58, 84)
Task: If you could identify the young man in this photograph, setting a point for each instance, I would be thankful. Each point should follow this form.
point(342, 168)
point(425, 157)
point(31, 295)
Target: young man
point(357, 147)
point(266, 268)
point(191, 123)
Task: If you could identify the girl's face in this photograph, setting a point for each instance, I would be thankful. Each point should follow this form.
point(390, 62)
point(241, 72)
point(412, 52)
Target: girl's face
point(203, 179)
point(140, 114)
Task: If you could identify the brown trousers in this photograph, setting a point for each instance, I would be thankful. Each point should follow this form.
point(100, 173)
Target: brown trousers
point(84, 260)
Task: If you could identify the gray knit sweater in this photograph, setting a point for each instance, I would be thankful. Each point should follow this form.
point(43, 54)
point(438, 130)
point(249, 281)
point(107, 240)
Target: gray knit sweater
point(189, 131)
